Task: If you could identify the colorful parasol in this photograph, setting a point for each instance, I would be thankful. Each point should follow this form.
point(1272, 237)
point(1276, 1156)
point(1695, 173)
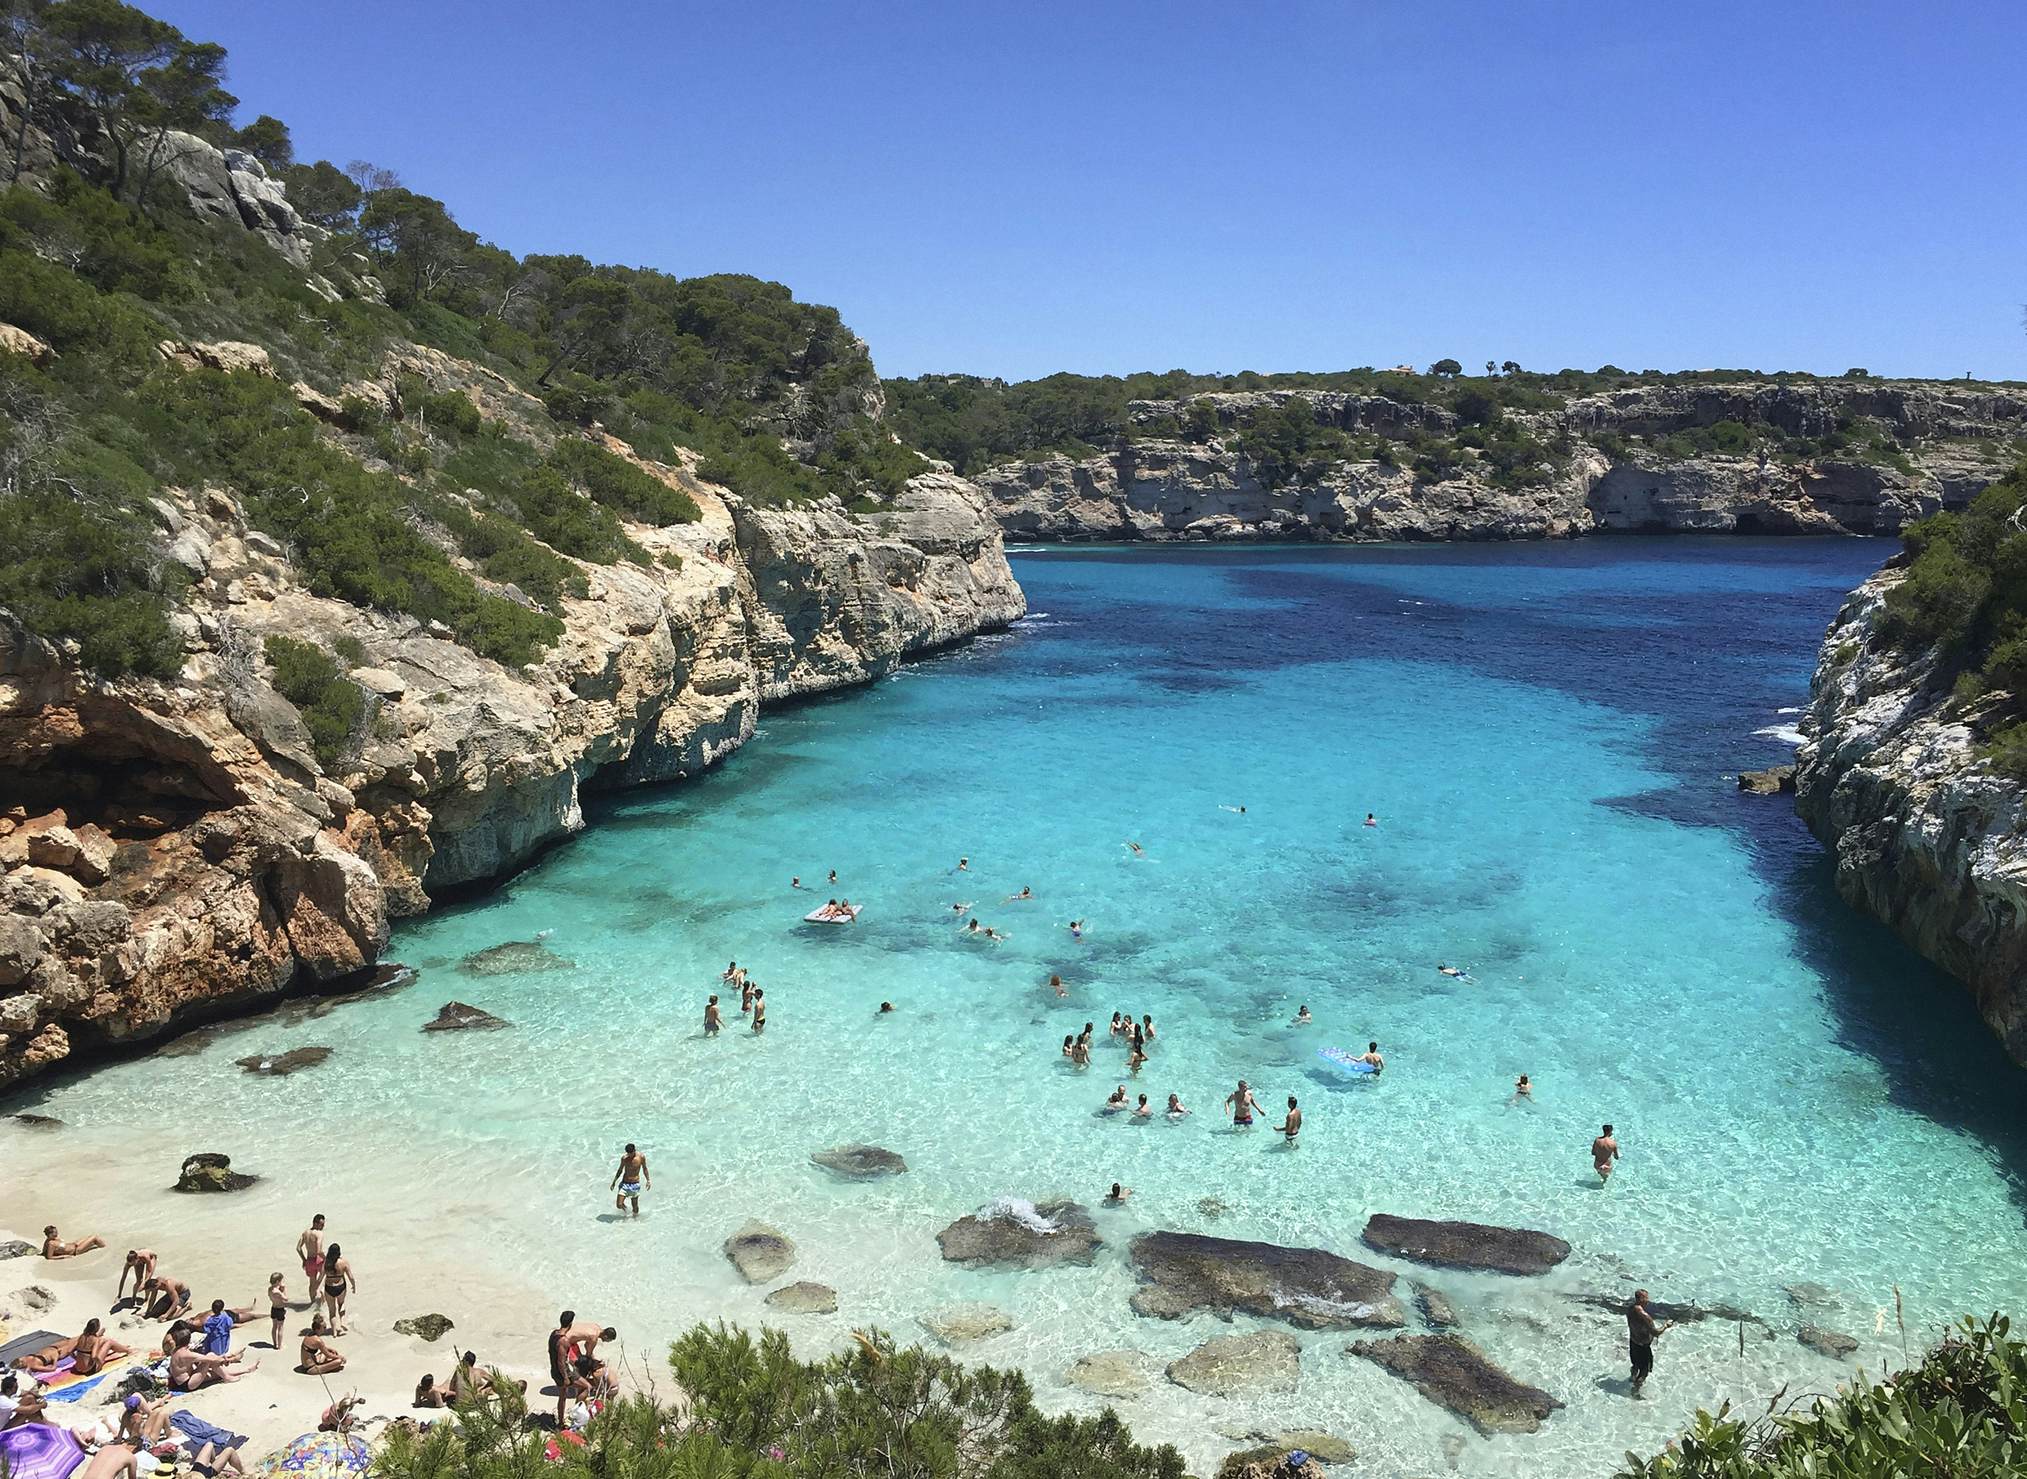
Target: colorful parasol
point(320, 1456)
point(39, 1451)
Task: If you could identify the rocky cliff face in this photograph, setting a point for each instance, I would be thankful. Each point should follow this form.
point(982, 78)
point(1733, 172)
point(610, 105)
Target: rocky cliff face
point(176, 848)
point(1159, 488)
point(1926, 837)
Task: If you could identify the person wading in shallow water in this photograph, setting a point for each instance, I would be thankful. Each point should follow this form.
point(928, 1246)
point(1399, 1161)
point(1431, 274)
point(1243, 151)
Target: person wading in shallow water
point(630, 1179)
point(1604, 1152)
point(1641, 1332)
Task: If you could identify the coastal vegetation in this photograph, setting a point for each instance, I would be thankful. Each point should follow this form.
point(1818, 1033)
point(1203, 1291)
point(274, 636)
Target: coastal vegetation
point(1959, 1413)
point(1965, 595)
point(421, 502)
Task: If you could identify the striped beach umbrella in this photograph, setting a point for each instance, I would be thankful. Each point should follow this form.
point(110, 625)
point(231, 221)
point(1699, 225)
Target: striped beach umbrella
point(321, 1456)
point(39, 1451)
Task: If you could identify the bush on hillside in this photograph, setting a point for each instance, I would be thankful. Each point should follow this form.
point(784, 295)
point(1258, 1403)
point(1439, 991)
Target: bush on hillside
point(332, 705)
point(621, 486)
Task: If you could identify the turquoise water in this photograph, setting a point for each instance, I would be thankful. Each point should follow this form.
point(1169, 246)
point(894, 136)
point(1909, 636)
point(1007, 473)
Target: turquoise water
point(1547, 736)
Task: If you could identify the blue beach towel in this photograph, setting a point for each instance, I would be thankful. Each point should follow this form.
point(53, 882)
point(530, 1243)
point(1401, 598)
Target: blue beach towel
point(199, 1432)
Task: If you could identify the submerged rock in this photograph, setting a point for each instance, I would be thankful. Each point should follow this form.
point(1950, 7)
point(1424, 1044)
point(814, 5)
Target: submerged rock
point(1014, 1233)
point(1831, 1343)
point(1109, 1374)
point(961, 1324)
point(189, 1045)
point(805, 1298)
point(1437, 1311)
point(1228, 1365)
point(458, 1016)
point(207, 1170)
point(39, 1121)
point(860, 1162)
point(1270, 1451)
point(760, 1252)
point(515, 957)
point(1211, 1207)
point(282, 1064)
point(428, 1327)
point(1184, 1272)
point(1467, 1245)
point(1455, 1374)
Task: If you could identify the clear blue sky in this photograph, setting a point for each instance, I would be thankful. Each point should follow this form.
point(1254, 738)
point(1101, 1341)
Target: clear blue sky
point(1024, 186)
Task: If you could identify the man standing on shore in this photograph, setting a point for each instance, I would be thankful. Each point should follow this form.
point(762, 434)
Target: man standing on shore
point(310, 1248)
point(1641, 1331)
point(629, 1180)
point(1604, 1151)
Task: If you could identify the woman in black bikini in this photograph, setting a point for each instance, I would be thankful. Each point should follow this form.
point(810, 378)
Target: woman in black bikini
point(337, 1280)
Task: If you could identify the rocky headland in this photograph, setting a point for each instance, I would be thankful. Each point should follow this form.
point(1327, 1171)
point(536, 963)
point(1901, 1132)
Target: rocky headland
point(1605, 467)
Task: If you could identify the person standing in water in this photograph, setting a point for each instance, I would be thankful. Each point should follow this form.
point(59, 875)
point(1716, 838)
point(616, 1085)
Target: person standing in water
point(1243, 1105)
point(746, 992)
point(630, 1179)
point(759, 1011)
point(1292, 1126)
point(1371, 820)
point(1641, 1332)
point(1371, 1055)
point(1523, 1087)
point(1604, 1152)
point(712, 1020)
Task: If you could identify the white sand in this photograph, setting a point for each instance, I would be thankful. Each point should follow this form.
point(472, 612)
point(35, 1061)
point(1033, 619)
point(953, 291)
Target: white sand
point(507, 1327)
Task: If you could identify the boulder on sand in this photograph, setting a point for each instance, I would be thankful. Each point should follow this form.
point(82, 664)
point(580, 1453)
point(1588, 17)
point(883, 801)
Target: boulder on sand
point(805, 1298)
point(15, 1248)
point(279, 1065)
point(428, 1327)
point(1181, 1273)
point(515, 957)
point(1228, 1365)
point(860, 1162)
point(1466, 1245)
point(207, 1170)
point(1012, 1233)
point(458, 1016)
point(760, 1252)
point(1455, 1374)
point(961, 1324)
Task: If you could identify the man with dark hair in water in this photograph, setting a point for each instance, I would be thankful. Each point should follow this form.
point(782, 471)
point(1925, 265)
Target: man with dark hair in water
point(1604, 1151)
point(1292, 1126)
point(629, 1179)
point(712, 1020)
point(1641, 1331)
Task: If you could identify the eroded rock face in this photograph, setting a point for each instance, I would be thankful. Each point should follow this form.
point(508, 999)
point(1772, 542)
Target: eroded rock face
point(1453, 1373)
point(1466, 1245)
point(1011, 1233)
point(178, 848)
point(860, 1162)
point(1239, 1365)
point(1926, 836)
point(1181, 1273)
point(1156, 487)
point(760, 1253)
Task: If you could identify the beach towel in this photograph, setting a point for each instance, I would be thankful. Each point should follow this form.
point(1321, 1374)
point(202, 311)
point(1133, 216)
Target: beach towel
point(57, 1373)
point(197, 1432)
point(23, 1345)
point(70, 1389)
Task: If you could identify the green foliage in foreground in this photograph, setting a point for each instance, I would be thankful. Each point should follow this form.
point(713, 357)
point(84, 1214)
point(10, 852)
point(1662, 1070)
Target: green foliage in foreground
point(1960, 1414)
point(1965, 593)
point(332, 705)
point(760, 1413)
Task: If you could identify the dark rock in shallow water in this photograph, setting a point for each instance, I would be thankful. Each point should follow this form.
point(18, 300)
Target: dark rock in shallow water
point(516, 957)
point(1436, 1308)
point(1831, 1343)
point(1011, 1233)
point(1468, 1245)
point(1228, 1365)
point(282, 1064)
point(40, 1121)
point(1455, 1374)
point(760, 1252)
point(860, 1162)
point(1769, 782)
point(16, 1249)
point(207, 1170)
point(1184, 1272)
point(189, 1044)
point(429, 1327)
point(457, 1016)
point(1210, 1207)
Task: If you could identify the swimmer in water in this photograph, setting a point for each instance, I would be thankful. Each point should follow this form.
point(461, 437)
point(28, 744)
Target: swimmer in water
point(795, 882)
point(1371, 1055)
point(1371, 820)
point(1117, 1100)
point(1138, 850)
point(731, 971)
point(886, 1006)
point(834, 878)
point(1452, 970)
point(1604, 1152)
point(1523, 1087)
point(1076, 929)
point(1070, 1046)
point(971, 926)
point(1056, 985)
point(746, 990)
point(1302, 1017)
point(1026, 893)
point(712, 1021)
point(1292, 1126)
point(1080, 1053)
point(964, 865)
point(1141, 1111)
point(1147, 1027)
point(1240, 810)
point(1118, 1195)
point(1176, 1108)
point(1134, 1059)
point(992, 934)
point(960, 908)
point(1116, 1020)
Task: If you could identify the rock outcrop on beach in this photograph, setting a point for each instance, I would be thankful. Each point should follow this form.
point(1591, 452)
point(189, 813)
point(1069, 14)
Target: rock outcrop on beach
point(211, 1171)
point(1181, 1273)
point(1454, 1374)
point(1011, 1233)
point(1155, 486)
point(1927, 835)
point(1465, 1245)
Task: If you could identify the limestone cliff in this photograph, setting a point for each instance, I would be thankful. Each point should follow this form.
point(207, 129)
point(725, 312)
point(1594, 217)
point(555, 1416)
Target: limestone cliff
point(1925, 835)
point(1157, 487)
point(173, 848)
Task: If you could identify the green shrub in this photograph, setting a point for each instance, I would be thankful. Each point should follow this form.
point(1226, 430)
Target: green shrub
point(619, 485)
point(84, 572)
point(332, 705)
point(1961, 1413)
point(449, 410)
